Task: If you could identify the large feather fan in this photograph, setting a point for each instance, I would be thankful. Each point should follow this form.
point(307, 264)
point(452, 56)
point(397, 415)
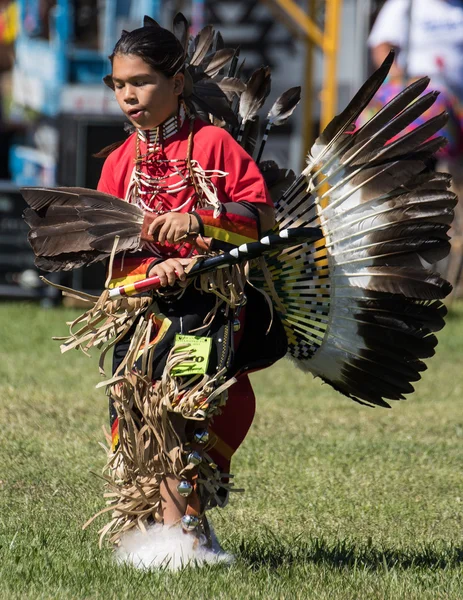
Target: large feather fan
point(73, 227)
point(360, 307)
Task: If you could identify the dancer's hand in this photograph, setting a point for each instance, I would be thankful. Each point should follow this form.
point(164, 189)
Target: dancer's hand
point(170, 271)
point(173, 227)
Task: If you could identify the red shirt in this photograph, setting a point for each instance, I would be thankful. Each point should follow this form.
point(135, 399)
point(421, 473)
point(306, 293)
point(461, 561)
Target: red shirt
point(213, 148)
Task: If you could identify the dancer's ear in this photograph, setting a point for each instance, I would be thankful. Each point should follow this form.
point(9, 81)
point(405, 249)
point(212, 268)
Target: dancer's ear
point(179, 83)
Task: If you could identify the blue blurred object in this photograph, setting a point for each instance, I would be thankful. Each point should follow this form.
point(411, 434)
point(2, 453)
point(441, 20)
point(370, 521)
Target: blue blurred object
point(32, 167)
point(61, 59)
point(46, 66)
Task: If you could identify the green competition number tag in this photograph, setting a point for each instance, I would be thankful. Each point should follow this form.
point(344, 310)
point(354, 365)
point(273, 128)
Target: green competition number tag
point(199, 349)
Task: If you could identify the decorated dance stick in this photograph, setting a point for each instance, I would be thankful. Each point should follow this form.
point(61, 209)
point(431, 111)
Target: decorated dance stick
point(286, 237)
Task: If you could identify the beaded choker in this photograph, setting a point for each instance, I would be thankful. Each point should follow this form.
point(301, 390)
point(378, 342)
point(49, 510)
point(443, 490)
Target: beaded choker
point(155, 137)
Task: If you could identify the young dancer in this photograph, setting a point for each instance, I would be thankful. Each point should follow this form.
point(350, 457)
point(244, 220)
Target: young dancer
point(356, 307)
point(175, 167)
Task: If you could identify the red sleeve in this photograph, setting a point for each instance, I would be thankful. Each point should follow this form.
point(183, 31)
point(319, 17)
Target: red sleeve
point(243, 183)
point(216, 149)
point(244, 180)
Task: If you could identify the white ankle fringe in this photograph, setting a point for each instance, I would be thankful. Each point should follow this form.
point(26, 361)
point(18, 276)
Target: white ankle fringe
point(169, 548)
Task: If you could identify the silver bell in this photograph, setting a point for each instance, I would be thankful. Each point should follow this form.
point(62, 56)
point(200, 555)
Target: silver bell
point(201, 436)
point(236, 325)
point(194, 458)
point(190, 522)
point(184, 488)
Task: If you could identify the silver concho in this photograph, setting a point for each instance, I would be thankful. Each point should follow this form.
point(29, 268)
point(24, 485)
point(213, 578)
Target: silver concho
point(194, 458)
point(184, 488)
point(190, 522)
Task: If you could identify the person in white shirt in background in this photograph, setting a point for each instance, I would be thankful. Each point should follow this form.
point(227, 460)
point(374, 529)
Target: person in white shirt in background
point(428, 37)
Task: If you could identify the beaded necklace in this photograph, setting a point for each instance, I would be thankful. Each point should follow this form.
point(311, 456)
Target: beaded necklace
point(154, 175)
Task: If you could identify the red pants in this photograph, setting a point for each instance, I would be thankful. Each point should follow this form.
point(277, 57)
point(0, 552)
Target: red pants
point(230, 428)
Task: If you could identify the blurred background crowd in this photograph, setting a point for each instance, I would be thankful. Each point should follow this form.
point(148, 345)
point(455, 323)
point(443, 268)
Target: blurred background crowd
point(55, 112)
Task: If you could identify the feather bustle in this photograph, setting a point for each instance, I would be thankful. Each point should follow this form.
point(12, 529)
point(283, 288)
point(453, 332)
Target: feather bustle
point(360, 307)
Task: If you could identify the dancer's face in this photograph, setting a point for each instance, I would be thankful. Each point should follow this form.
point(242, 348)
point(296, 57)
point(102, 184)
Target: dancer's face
point(145, 95)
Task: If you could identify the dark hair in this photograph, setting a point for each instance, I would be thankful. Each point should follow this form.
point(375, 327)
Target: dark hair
point(157, 46)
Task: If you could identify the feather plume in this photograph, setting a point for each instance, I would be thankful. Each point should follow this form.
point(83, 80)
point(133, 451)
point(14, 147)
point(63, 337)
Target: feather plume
point(280, 112)
point(253, 98)
point(394, 107)
point(69, 261)
point(277, 180)
point(250, 135)
point(284, 106)
point(149, 22)
point(348, 116)
point(365, 148)
point(240, 68)
point(234, 64)
point(180, 29)
point(203, 42)
point(332, 133)
point(231, 86)
point(218, 42)
point(219, 61)
point(210, 99)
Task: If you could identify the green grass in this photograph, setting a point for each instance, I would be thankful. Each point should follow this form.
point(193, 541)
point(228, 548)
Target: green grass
point(341, 501)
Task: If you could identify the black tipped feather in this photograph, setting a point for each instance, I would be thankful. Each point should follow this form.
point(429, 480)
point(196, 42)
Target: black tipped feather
point(210, 99)
point(231, 86)
point(284, 106)
point(257, 89)
point(180, 29)
point(149, 22)
point(219, 61)
point(341, 122)
point(392, 108)
point(203, 43)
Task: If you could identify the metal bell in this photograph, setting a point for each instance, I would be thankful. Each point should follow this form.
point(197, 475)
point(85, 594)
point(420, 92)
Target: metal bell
point(194, 458)
point(190, 522)
point(236, 325)
point(201, 436)
point(184, 488)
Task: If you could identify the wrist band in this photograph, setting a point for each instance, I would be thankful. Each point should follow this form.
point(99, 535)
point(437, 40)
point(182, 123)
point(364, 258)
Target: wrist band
point(230, 228)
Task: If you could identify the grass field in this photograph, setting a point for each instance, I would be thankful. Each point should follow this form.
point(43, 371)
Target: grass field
point(341, 501)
